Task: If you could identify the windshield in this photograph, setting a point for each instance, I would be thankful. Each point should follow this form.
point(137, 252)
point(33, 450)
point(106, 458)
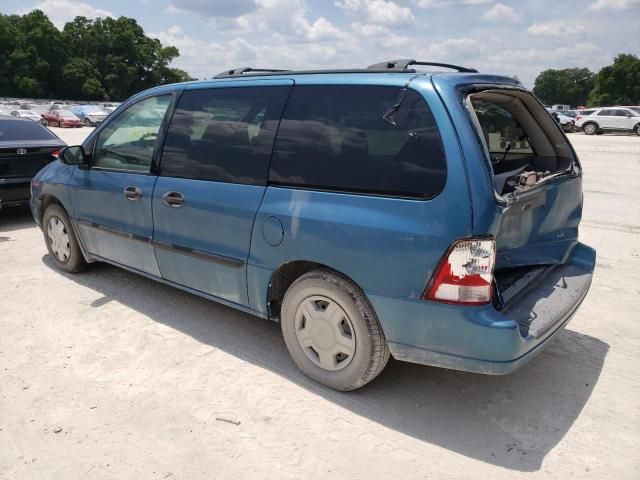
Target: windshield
point(94, 110)
point(66, 114)
point(20, 130)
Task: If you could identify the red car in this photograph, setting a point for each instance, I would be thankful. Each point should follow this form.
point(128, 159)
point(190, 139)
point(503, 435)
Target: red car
point(61, 118)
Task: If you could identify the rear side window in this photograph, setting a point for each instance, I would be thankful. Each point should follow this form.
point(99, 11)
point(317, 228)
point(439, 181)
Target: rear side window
point(223, 134)
point(351, 138)
point(607, 113)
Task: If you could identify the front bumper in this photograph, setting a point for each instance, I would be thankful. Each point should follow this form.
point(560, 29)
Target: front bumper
point(483, 339)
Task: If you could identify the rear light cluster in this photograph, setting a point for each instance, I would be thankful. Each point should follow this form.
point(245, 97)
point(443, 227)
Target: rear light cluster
point(56, 154)
point(465, 274)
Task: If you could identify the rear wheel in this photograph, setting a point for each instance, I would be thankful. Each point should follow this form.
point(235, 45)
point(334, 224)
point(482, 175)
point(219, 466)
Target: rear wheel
point(332, 332)
point(590, 128)
point(61, 241)
point(87, 122)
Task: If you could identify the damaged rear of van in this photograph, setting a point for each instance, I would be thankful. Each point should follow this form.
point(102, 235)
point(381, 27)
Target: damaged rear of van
point(523, 273)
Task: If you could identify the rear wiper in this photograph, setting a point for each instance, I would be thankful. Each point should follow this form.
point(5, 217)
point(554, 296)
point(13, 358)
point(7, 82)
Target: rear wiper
point(389, 115)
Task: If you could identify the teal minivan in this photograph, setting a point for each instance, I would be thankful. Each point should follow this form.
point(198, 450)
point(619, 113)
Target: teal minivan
point(432, 217)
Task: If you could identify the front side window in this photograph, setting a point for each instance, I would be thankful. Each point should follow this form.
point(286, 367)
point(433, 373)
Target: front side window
point(128, 142)
point(223, 134)
point(353, 139)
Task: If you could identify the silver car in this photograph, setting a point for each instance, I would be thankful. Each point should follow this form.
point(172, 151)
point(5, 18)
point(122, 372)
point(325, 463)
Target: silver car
point(612, 119)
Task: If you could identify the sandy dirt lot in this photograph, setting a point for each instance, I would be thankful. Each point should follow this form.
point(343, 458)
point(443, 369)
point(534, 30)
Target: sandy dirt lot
point(106, 374)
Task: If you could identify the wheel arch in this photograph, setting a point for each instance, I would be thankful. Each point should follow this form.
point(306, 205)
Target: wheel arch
point(284, 276)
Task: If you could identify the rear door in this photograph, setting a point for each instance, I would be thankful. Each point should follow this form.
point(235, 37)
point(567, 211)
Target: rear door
point(112, 198)
point(607, 119)
point(213, 175)
point(535, 175)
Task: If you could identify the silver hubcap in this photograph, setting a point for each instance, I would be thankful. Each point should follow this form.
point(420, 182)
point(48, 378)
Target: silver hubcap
point(325, 333)
point(59, 239)
point(589, 129)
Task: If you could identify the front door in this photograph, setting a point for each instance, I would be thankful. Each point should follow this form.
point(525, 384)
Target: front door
point(213, 174)
point(112, 198)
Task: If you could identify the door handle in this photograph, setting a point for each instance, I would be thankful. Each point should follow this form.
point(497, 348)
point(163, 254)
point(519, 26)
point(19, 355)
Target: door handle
point(133, 193)
point(173, 199)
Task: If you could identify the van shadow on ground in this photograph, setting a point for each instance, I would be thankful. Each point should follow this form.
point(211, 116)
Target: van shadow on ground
point(511, 421)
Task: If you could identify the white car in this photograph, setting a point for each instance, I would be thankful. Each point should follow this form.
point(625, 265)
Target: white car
point(31, 115)
point(613, 119)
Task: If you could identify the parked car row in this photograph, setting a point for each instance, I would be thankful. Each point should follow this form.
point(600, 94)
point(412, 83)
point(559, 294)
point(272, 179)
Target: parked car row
point(598, 120)
point(59, 114)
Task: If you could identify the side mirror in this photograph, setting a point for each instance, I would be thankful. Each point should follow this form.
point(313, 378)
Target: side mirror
point(73, 155)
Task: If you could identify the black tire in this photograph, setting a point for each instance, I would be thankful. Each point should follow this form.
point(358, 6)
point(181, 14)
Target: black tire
point(636, 129)
point(87, 122)
point(590, 128)
point(360, 326)
point(59, 123)
point(73, 261)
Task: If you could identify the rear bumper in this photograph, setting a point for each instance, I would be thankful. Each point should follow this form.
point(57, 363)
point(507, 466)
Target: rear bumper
point(15, 191)
point(483, 339)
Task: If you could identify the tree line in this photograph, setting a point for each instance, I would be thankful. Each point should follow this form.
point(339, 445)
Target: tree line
point(101, 59)
point(616, 84)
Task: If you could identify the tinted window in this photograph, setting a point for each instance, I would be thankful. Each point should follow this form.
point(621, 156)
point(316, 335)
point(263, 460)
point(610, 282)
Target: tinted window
point(336, 138)
point(128, 142)
point(223, 134)
point(11, 130)
point(607, 113)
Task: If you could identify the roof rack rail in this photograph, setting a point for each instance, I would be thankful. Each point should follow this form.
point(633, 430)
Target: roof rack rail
point(242, 70)
point(403, 64)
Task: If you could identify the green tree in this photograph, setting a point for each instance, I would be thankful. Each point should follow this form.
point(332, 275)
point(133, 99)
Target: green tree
point(569, 86)
point(88, 60)
point(618, 84)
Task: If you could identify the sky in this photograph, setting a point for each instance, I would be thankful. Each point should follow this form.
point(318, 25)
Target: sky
point(521, 37)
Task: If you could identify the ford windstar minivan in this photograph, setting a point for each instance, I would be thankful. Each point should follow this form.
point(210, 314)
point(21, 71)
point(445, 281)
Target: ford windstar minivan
point(374, 212)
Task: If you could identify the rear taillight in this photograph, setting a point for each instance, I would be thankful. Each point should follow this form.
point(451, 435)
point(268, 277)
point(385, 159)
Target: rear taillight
point(56, 154)
point(465, 274)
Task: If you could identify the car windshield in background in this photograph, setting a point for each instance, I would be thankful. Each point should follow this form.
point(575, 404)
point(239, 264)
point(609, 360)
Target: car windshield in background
point(96, 110)
point(14, 130)
point(66, 114)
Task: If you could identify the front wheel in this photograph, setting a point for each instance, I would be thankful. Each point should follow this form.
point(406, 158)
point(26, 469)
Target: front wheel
point(590, 129)
point(332, 332)
point(636, 129)
point(61, 241)
point(87, 122)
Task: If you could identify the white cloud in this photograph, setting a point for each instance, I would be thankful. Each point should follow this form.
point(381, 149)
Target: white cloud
point(454, 47)
point(63, 11)
point(554, 29)
point(614, 5)
point(581, 53)
point(381, 12)
point(501, 13)
point(446, 3)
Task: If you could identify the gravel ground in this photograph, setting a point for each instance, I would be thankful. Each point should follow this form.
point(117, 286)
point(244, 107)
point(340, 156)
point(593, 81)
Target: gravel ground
point(106, 374)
